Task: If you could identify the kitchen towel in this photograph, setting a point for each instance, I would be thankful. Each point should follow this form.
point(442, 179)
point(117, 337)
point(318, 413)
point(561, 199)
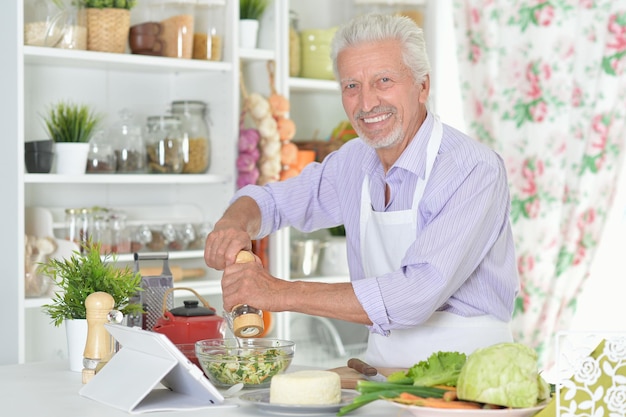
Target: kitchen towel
point(597, 386)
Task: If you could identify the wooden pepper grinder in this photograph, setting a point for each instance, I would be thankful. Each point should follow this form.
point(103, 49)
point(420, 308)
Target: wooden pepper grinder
point(247, 321)
point(99, 346)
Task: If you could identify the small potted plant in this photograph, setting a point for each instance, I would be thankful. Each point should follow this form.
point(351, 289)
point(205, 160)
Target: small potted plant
point(78, 277)
point(108, 24)
point(71, 126)
point(250, 13)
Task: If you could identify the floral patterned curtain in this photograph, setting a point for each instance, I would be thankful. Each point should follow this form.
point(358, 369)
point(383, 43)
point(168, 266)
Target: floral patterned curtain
point(544, 84)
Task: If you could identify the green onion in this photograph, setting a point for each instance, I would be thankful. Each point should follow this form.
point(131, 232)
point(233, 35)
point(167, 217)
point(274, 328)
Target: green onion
point(372, 391)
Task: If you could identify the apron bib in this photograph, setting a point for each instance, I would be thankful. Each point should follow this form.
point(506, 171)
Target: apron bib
point(385, 238)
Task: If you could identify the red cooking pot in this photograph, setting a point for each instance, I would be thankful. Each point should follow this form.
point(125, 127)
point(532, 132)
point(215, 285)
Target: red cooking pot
point(187, 324)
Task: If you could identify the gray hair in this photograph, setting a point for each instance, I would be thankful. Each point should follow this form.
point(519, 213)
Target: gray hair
point(378, 27)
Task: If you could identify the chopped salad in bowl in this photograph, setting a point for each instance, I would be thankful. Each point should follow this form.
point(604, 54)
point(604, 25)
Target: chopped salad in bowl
point(253, 361)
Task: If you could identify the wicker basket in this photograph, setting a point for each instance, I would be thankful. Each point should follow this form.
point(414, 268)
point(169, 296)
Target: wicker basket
point(321, 147)
point(107, 29)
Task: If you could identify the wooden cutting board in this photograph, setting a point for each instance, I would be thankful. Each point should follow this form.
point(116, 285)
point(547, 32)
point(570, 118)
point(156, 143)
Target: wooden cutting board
point(349, 377)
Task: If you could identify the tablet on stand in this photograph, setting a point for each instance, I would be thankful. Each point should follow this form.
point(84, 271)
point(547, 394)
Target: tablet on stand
point(149, 373)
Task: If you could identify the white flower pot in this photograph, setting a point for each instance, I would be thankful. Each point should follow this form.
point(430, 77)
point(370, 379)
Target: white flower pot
point(71, 158)
point(248, 33)
point(76, 332)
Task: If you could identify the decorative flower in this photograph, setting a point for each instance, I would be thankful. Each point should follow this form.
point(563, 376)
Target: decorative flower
point(615, 349)
point(615, 400)
point(588, 371)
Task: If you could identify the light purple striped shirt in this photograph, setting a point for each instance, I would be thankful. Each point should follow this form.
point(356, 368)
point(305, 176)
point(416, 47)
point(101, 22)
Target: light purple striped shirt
point(463, 257)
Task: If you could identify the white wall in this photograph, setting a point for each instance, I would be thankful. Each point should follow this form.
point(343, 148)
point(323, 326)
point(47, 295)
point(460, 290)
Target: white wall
point(602, 296)
point(601, 302)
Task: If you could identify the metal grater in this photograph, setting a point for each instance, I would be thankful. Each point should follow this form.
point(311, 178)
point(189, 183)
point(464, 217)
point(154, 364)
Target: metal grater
point(154, 289)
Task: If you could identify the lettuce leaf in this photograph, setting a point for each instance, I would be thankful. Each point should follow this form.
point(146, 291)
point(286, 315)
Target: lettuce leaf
point(441, 368)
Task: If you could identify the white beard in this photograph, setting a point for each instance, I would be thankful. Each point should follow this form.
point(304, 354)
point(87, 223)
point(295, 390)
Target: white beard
point(391, 139)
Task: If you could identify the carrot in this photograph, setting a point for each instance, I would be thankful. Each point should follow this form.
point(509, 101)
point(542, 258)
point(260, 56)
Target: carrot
point(410, 399)
point(450, 396)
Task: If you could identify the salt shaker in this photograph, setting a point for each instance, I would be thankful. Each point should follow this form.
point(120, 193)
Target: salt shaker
point(99, 346)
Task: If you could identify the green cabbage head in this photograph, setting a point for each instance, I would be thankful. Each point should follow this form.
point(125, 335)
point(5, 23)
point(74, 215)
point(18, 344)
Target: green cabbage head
point(504, 374)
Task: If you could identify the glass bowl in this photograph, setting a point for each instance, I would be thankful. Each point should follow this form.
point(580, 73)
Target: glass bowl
point(252, 362)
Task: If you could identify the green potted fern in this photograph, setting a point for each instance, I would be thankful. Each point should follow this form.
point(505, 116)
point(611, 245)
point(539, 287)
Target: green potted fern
point(78, 277)
point(108, 24)
point(250, 13)
point(71, 126)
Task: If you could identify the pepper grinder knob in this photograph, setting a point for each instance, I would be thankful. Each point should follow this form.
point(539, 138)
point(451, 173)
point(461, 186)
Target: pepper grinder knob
point(98, 347)
point(247, 320)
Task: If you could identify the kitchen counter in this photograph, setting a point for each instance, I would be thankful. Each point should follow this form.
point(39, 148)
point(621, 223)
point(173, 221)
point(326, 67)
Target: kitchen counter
point(50, 389)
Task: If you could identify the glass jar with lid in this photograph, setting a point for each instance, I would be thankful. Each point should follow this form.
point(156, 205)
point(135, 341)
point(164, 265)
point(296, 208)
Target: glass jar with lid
point(164, 147)
point(100, 231)
point(130, 150)
point(120, 234)
point(101, 157)
point(196, 141)
point(208, 30)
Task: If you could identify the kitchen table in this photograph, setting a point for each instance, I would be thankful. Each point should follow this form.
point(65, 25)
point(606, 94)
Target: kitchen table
point(50, 389)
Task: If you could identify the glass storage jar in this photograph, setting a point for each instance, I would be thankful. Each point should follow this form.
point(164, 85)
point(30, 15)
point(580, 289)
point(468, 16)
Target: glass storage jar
point(85, 228)
point(59, 24)
point(37, 17)
point(100, 230)
point(177, 28)
point(164, 146)
point(196, 141)
point(209, 30)
point(120, 234)
point(72, 225)
point(130, 150)
point(101, 157)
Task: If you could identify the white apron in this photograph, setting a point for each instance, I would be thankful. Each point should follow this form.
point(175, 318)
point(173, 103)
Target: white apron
point(385, 238)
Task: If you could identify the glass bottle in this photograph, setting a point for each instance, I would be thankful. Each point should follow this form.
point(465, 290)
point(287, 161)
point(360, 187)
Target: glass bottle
point(196, 141)
point(164, 146)
point(209, 30)
point(130, 150)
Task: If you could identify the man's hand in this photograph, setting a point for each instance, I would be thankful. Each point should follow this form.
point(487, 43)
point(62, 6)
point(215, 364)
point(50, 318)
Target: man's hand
point(250, 283)
point(223, 244)
point(232, 233)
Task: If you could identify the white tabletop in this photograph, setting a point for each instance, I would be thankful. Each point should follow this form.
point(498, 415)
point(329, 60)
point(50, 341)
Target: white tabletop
point(51, 390)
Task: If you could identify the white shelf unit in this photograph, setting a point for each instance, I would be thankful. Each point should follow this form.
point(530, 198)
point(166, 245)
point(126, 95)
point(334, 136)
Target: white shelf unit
point(35, 77)
point(32, 77)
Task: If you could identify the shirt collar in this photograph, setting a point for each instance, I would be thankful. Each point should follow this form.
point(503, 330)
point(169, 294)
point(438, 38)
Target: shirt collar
point(412, 159)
